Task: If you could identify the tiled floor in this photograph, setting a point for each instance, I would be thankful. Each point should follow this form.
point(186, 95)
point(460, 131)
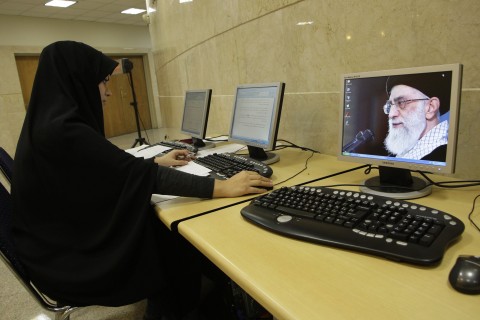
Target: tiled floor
point(17, 304)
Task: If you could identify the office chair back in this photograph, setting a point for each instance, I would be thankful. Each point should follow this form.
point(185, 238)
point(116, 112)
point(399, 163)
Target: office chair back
point(7, 249)
point(6, 164)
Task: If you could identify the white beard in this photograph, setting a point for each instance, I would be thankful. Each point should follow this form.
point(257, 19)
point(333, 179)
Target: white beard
point(401, 140)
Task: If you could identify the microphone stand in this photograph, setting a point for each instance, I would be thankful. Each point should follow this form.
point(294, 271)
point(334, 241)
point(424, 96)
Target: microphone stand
point(140, 140)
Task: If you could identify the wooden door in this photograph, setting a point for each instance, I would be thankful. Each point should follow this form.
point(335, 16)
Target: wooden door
point(119, 115)
point(27, 67)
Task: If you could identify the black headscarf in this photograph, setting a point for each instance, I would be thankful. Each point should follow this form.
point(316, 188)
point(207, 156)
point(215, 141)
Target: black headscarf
point(83, 223)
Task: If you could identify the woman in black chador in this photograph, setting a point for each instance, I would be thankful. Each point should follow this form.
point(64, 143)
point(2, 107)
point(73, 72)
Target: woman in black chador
point(83, 223)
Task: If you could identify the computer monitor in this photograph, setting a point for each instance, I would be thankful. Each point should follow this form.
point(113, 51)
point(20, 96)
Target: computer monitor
point(195, 116)
point(255, 119)
point(402, 120)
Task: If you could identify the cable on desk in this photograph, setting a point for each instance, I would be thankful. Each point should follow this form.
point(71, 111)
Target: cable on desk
point(470, 218)
point(444, 184)
point(430, 182)
point(293, 145)
point(296, 174)
point(333, 175)
point(369, 169)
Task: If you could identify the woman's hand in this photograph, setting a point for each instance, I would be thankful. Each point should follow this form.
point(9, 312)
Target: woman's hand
point(244, 182)
point(175, 158)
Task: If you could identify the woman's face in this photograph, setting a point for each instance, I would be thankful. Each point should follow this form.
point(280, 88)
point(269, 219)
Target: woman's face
point(104, 91)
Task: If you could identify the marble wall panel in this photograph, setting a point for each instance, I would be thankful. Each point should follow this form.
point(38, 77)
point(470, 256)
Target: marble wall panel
point(188, 24)
point(262, 41)
point(220, 115)
point(318, 120)
point(468, 144)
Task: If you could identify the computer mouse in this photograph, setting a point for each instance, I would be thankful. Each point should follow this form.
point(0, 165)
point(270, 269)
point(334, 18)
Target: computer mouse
point(465, 274)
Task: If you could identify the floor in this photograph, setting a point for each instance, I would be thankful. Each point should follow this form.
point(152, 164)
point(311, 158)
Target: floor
point(16, 303)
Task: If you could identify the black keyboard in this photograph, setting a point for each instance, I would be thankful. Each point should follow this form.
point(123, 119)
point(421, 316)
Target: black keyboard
point(225, 165)
point(394, 229)
point(178, 145)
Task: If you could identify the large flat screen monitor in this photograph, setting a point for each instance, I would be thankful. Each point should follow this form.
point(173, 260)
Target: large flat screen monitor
point(195, 116)
point(402, 120)
point(256, 117)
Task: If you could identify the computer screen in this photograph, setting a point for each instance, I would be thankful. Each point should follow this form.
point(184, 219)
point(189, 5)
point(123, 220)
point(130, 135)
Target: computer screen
point(195, 116)
point(402, 120)
point(255, 119)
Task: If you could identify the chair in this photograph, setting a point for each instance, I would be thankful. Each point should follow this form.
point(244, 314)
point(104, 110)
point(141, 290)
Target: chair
point(7, 250)
point(6, 164)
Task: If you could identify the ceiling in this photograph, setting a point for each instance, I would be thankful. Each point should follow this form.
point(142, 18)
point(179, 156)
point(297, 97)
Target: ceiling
point(106, 11)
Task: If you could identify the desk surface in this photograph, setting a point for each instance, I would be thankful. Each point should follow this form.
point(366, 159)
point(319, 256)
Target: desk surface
point(291, 162)
point(299, 280)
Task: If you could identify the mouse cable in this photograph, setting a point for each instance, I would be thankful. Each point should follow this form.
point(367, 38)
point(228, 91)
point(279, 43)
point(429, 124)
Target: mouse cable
point(440, 184)
point(451, 184)
point(367, 171)
point(470, 218)
point(369, 168)
point(296, 174)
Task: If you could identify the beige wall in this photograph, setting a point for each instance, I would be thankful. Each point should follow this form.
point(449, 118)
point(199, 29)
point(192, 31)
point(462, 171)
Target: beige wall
point(219, 44)
point(30, 35)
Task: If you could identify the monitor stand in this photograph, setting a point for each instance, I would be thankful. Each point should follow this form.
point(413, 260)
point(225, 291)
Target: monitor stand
point(396, 183)
point(259, 154)
point(202, 145)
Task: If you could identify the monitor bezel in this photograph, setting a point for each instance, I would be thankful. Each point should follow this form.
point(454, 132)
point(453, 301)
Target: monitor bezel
point(273, 131)
point(449, 167)
point(205, 113)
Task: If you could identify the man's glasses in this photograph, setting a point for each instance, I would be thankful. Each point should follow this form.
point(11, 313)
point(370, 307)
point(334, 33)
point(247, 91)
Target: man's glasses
point(402, 104)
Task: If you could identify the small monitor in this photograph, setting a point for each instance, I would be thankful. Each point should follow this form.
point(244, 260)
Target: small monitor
point(401, 120)
point(256, 117)
point(195, 116)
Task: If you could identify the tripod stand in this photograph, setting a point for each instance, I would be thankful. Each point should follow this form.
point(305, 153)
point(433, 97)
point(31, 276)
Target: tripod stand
point(139, 139)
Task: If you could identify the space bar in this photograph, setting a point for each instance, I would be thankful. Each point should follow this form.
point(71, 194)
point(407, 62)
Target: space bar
point(295, 212)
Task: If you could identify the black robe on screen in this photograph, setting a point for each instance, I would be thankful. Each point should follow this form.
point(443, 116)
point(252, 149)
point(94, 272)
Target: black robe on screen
point(83, 223)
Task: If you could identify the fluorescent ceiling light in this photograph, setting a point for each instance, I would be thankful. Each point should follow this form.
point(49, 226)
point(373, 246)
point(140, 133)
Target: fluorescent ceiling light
point(60, 3)
point(184, 1)
point(304, 23)
point(133, 11)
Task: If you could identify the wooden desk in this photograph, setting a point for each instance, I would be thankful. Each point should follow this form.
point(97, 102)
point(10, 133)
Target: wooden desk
point(296, 280)
point(291, 162)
